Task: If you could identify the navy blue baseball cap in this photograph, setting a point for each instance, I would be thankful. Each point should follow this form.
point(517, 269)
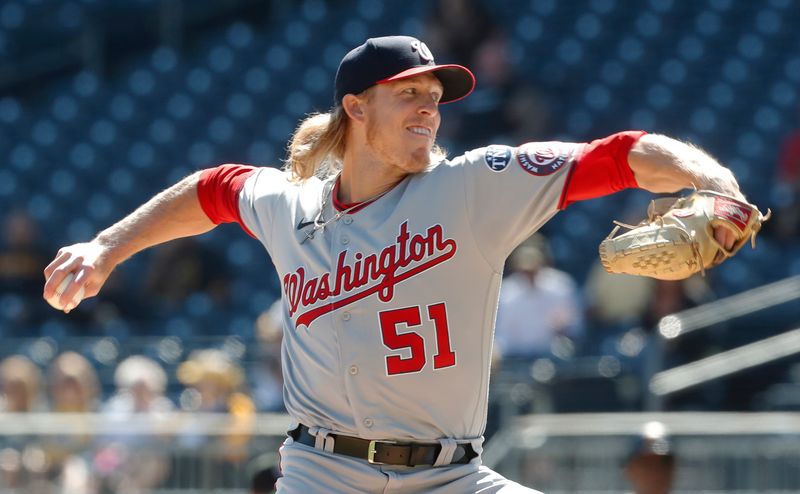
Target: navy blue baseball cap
point(392, 58)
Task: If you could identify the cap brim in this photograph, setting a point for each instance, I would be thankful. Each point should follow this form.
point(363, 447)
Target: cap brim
point(457, 80)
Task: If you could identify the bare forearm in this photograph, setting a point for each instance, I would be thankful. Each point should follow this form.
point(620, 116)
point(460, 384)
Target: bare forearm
point(171, 214)
point(663, 164)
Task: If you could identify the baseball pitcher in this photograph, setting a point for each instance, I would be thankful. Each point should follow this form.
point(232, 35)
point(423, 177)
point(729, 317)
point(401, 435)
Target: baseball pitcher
point(391, 257)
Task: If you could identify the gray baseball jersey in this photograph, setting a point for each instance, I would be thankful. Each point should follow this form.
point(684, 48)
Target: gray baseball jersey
point(389, 310)
point(389, 307)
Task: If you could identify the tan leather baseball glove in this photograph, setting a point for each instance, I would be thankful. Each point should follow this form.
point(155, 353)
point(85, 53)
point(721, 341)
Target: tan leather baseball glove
point(677, 238)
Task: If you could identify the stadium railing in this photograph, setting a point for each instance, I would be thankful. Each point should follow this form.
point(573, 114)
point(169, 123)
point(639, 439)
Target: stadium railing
point(715, 452)
point(158, 453)
point(664, 382)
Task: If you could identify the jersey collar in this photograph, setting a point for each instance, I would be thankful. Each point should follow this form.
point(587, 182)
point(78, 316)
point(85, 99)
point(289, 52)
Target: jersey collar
point(351, 208)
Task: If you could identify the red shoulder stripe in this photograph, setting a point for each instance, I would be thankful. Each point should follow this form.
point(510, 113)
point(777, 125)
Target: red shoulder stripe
point(218, 192)
point(601, 169)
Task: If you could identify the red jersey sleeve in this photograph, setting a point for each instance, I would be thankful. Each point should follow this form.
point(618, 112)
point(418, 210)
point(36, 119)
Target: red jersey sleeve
point(218, 192)
point(601, 169)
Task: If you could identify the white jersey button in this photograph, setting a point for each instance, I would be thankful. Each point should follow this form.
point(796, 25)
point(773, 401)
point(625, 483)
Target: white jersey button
point(347, 219)
point(353, 370)
point(345, 240)
point(368, 423)
point(346, 316)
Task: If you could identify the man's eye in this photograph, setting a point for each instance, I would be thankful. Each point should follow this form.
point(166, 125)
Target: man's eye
point(410, 90)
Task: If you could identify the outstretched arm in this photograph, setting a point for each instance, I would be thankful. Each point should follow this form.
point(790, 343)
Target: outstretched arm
point(663, 164)
point(171, 214)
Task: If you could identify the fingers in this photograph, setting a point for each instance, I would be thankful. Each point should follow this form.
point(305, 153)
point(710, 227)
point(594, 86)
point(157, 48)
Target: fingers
point(61, 256)
point(66, 263)
point(76, 290)
point(57, 271)
point(725, 237)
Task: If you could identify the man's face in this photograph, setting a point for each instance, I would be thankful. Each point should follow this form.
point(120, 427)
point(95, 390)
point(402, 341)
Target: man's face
point(402, 118)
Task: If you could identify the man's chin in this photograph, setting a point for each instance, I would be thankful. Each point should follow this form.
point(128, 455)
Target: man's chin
point(420, 160)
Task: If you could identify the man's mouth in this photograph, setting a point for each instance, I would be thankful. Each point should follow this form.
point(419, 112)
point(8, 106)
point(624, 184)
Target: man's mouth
point(419, 130)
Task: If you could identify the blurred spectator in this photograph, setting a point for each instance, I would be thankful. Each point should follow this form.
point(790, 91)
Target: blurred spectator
point(73, 384)
point(786, 190)
point(20, 392)
point(263, 474)
point(457, 28)
point(670, 297)
point(785, 224)
point(616, 300)
point(131, 463)
point(538, 304)
point(73, 387)
point(505, 107)
point(22, 261)
point(20, 385)
point(789, 159)
point(22, 258)
point(618, 303)
point(265, 374)
point(184, 267)
point(650, 467)
point(215, 380)
point(140, 383)
point(214, 384)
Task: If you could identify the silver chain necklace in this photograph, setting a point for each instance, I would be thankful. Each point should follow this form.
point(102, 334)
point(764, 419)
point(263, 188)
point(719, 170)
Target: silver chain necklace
point(320, 223)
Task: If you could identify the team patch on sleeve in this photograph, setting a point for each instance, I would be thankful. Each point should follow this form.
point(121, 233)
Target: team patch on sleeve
point(543, 158)
point(497, 157)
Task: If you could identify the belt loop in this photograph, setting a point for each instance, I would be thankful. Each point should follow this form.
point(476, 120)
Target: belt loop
point(446, 454)
point(477, 445)
point(322, 440)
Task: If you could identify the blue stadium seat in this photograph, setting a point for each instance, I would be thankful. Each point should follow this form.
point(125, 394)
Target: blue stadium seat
point(161, 131)
point(257, 80)
point(221, 59)
point(122, 107)
point(297, 34)
point(370, 11)
point(240, 106)
point(103, 132)
point(353, 32)
point(164, 60)
point(63, 183)
point(23, 157)
point(768, 22)
point(199, 81)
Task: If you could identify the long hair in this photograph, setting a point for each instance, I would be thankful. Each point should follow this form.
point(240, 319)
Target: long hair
point(317, 145)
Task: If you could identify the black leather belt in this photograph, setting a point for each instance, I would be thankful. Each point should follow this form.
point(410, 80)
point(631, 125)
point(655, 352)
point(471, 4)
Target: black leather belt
point(386, 452)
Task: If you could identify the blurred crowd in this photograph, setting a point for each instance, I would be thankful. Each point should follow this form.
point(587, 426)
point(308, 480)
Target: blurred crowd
point(210, 381)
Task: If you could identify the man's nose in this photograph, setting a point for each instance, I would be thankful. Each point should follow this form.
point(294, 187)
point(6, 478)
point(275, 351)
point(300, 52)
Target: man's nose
point(429, 107)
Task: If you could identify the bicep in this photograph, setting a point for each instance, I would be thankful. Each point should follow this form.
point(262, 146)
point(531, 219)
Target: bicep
point(663, 164)
point(655, 162)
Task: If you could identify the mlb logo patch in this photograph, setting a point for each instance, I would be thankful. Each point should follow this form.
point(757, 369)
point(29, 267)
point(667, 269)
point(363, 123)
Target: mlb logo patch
point(497, 157)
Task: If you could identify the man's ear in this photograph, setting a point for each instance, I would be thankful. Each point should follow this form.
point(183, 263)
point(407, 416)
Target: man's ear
point(354, 106)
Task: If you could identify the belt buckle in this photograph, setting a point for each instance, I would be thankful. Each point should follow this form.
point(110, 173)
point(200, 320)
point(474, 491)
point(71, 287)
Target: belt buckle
point(371, 451)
